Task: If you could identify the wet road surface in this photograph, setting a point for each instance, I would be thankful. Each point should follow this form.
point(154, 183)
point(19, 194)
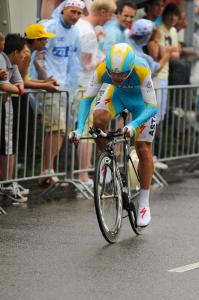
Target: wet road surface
point(53, 249)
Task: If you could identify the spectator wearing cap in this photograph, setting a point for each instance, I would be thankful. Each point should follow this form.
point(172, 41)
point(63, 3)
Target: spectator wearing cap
point(36, 39)
point(62, 62)
point(138, 37)
point(114, 30)
point(58, 9)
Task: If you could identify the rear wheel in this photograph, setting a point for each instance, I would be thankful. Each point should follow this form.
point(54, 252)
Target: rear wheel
point(133, 184)
point(108, 197)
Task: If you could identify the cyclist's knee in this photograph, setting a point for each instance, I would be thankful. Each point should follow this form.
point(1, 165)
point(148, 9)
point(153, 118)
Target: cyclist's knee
point(101, 119)
point(144, 150)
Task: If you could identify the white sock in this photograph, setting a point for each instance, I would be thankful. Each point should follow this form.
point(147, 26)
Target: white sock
point(144, 198)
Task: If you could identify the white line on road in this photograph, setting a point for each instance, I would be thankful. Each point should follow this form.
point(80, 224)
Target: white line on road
point(185, 268)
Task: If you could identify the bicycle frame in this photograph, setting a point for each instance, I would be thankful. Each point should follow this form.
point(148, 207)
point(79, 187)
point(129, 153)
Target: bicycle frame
point(119, 193)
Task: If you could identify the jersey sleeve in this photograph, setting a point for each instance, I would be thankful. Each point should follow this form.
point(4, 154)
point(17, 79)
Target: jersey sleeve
point(90, 94)
point(150, 103)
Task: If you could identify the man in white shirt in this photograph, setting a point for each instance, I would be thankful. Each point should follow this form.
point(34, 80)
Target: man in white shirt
point(61, 61)
point(101, 11)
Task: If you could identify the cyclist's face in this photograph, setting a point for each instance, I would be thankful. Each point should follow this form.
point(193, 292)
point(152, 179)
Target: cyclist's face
point(126, 16)
point(118, 78)
point(71, 14)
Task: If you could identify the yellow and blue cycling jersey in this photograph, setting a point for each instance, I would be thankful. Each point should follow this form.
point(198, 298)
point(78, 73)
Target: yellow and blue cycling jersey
point(136, 94)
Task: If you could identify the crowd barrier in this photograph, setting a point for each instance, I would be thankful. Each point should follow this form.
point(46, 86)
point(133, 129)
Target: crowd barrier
point(32, 131)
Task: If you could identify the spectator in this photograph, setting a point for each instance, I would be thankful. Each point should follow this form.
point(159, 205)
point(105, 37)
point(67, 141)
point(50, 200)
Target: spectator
point(3, 72)
point(168, 37)
point(36, 39)
point(100, 12)
point(114, 30)
point(14, 52)
point(55, 13)
point(154, 9)
point(62, 62)
point(138, 36)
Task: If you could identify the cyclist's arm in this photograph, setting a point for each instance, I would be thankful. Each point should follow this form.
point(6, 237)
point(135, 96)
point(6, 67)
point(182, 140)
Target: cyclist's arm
point(92, 90)
point(150, 103)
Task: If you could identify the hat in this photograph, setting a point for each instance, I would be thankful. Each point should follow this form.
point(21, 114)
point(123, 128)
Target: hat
point(37, 31)
point(75, 3)
point(141, 27)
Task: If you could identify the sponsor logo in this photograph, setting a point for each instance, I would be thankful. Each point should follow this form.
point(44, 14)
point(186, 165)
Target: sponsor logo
point(142, 127)
point(152, 126)
point(107, 101)
point(60, 51)
point(143, 212)
point(63, 51)
point(149, 85)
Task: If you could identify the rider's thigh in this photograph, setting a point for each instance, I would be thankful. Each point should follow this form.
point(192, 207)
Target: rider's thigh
point(101, 118)
point(146, 132)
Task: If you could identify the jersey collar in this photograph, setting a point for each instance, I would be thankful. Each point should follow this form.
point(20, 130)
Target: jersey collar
point(64, 24)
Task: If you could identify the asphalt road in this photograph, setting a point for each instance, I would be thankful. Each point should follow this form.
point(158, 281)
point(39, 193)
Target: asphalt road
point(52, 249)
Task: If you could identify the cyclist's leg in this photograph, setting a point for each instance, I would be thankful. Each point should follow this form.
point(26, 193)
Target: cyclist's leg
point(143, 145)
point(108, 106)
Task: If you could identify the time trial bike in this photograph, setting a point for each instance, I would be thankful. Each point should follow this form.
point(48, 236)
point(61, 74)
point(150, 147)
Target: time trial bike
point(114, 195)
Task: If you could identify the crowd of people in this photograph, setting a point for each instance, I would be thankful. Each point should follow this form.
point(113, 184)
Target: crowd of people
point(62, 51)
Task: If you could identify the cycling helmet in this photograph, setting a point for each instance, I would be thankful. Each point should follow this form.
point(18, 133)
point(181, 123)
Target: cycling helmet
point(120, 58)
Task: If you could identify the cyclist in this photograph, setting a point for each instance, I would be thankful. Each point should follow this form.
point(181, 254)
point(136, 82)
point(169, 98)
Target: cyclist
point(129, 87)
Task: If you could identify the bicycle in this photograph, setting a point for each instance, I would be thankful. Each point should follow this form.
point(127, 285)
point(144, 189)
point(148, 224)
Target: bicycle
point(112, 188)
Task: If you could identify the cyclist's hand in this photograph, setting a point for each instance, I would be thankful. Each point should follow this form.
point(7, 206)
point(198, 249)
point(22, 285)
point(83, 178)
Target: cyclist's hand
point(128, 131)
point(74, 137)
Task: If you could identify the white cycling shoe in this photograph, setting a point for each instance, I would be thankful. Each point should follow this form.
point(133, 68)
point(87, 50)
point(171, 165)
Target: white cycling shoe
point(143, 216)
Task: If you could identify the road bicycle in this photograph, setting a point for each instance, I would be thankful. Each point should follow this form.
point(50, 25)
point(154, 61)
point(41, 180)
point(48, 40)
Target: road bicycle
point(114, 196)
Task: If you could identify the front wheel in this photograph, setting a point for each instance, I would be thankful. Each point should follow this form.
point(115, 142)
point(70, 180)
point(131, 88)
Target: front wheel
point(133, 185)
point(108, 197)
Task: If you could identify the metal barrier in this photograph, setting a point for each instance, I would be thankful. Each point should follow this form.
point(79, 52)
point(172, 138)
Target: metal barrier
point(177, 137)
point(28, 120)
point(34, 133)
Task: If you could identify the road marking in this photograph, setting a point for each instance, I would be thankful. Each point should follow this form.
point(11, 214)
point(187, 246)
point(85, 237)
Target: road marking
point(185, 268)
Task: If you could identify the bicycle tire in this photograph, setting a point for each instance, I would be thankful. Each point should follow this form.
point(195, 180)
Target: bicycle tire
point(108, 196)
point(133, 195)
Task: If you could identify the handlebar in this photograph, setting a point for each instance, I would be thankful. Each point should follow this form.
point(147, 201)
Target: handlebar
point(99, 133)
